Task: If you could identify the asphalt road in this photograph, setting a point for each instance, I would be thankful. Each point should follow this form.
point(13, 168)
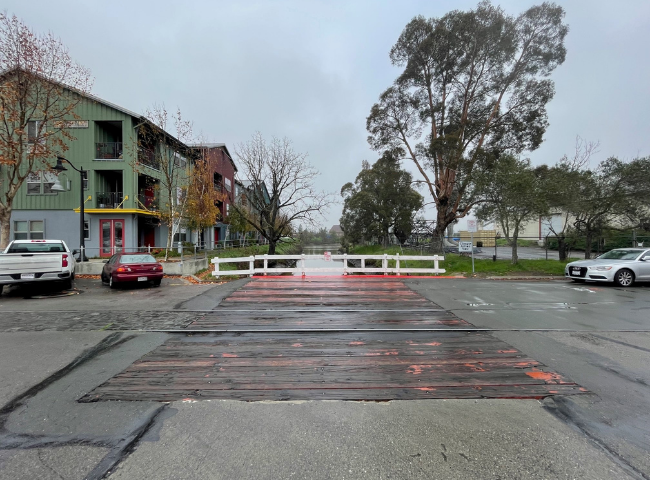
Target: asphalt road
point(599, 336)
point(525, 253)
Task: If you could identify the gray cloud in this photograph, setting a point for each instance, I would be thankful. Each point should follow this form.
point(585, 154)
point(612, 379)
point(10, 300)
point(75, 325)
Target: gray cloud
point(310, 70)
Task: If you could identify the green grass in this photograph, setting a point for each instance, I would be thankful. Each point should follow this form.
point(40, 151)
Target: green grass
point(462, 265)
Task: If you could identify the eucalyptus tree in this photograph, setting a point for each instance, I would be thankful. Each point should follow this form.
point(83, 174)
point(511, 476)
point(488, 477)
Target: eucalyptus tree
point(380, 201)
point(474, 85)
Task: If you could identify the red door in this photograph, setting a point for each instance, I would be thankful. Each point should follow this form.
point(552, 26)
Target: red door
point(111, 237)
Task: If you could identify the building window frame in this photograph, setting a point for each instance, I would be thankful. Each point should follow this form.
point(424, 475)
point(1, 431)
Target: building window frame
point(29, 230)
point(44, 180)
point(86, 229)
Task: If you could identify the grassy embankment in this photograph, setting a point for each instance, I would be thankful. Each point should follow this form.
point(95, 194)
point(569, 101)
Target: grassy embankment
point(462, 265)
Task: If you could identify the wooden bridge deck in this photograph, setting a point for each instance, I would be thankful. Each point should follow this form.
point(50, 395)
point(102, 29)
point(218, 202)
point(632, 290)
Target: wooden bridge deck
point(302, 345)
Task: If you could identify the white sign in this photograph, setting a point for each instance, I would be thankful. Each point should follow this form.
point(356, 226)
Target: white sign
point(471, 226)
point(328, 256)
point(464, 247)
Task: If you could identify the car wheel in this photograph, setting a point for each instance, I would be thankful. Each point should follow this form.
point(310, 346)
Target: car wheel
point(110, 282)
point(67, 284)
point(156, 283)
point(624, 278)
point(104, 281)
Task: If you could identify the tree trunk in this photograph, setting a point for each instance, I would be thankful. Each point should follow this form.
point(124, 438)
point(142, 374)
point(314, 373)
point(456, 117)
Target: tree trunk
point(272, 247)
point(515, 236)
point(5, 221)
point(437, 242)
point(561, 246)
point(588, 244)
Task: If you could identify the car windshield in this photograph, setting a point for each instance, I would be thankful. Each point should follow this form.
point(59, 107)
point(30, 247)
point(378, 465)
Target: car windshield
point(620, 254)
point(36, 247)
point(137, 259)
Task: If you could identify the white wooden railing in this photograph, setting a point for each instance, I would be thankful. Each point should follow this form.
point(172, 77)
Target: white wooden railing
point(343, 269)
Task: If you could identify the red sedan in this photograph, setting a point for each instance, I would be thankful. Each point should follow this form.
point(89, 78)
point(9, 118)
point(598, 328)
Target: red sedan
point(132, 267)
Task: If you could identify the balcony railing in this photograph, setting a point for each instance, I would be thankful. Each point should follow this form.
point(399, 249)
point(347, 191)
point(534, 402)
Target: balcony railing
point(109, 199)
point(108, 151)
point(148, 157)
point(148, 202)
point(218, 186)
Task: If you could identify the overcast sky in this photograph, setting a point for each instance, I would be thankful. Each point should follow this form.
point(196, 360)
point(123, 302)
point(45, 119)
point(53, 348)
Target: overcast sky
point(311, 70)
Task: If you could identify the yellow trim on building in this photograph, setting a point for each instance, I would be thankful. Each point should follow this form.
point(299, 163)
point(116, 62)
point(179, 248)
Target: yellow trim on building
point(114, 211)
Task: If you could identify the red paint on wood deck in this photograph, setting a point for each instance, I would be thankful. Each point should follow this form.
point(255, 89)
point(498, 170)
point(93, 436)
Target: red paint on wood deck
point(323, 363)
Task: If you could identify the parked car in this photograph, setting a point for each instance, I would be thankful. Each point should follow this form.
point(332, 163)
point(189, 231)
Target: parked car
point(131, 267)
point(623, 266)
point(30, 261)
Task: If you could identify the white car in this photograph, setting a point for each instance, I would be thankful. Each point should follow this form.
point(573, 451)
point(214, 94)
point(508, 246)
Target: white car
point(623, 266)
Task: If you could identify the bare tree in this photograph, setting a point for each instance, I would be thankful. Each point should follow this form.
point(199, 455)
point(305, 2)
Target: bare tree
point(169, 154)
point(280, 184)
point(40, 88)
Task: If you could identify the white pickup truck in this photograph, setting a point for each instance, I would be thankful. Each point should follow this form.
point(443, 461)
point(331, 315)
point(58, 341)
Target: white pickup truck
point(26, 261)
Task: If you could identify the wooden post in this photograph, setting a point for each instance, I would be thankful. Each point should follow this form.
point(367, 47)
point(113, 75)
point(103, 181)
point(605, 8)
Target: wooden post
point(397, 264)
point(363, 264)
point(435, 263)
point(266, 264)
point(215, 260)
point(302, 264)
point(345, 264)
point(385, 264)
point(252, 266)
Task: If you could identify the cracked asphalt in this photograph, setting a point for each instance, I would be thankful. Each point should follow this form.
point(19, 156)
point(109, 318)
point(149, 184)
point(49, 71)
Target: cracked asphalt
point(55, 349)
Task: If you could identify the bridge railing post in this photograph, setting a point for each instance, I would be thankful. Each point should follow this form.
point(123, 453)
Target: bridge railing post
point(252, 265)
point(384, 264)
point(345, 264)
point(266, 264)
point(302, 264)
point(397, 264)
point(215, 260)
point(435, 263)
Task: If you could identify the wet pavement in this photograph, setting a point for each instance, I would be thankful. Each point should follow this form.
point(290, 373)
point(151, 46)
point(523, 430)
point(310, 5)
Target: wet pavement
point(598, 335)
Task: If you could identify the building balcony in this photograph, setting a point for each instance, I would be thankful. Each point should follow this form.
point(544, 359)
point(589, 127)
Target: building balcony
point(108, 151)
point(148, 202)
point(109, 200)
point(148, 157)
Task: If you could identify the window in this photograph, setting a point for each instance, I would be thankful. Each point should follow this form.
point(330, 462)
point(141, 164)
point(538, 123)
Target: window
point(227, 209)
point(29, 230)
point(34, 183)
point(228, 184)
point(179, 160)
point(180, 237)
point(86, 229)
point(33, 128)
point(40, 183)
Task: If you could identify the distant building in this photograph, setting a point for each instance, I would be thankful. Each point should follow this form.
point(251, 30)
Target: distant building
point(336, 231)
point(223, 171)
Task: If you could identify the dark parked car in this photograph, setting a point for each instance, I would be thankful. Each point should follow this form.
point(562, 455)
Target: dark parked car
point(132, 267)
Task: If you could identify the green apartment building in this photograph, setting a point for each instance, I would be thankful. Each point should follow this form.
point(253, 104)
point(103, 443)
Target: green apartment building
point(121, 187)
